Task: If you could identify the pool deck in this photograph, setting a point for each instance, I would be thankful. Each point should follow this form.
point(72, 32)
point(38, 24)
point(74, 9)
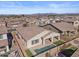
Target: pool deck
point(76, 54)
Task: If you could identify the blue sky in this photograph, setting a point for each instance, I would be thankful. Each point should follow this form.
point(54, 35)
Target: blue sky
point(31, 7)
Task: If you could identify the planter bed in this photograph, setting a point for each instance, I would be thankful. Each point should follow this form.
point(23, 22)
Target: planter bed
point(28, 52)
point(59, 42)
point(68, 52)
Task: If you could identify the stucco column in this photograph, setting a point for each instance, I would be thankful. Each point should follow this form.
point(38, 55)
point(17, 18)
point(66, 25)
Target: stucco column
point(52, 39)
point(58, 37)
point(70, 33)
point(76, 32)
point(7, 48)
point(43, 41)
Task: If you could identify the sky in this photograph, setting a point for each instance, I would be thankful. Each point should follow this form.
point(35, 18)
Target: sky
point(32, 7)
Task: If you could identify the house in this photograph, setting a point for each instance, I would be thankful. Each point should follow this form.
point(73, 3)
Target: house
point(74, 20)
point(37, 36)
point(30, 19)
point(76, 24)
point(69, 19)
point(50, 27)
point(64, 28)
point(45, 20)
point(3, 39)
point(60, 27)
point(15, 23)
point(42, 21)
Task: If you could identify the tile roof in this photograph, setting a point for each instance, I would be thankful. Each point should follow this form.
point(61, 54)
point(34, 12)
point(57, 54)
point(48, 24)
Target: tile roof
point(69, 19)
point(3, 28)
point(3, 42)
point(29, 32)
point(63, 26)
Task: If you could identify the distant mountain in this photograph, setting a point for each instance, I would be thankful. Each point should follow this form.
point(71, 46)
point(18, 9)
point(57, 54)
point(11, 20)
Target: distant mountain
point(40, 14)
point(55, 14)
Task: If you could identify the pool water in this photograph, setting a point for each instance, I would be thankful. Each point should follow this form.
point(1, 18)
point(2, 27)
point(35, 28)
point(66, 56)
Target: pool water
point(41, 50)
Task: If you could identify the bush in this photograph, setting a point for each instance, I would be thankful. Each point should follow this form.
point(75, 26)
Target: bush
point(59, 42)
point(28, 52)
point(69, 51)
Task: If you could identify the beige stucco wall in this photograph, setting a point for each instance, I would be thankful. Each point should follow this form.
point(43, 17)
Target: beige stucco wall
point(39, 36)
point(52, 35)
point(76, 25)
point(29, 42)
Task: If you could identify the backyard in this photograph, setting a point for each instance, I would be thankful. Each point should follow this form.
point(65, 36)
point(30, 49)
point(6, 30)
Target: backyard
point(67, 52)
point(46, 48)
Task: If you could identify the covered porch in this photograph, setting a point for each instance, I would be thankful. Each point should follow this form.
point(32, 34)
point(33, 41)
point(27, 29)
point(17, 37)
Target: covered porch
point(48, 40)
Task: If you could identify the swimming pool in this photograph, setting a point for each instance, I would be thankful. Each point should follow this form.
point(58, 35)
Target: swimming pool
point(46, 48)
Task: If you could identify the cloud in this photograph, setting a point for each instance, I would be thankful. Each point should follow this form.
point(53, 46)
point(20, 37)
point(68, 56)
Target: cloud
point(24, 8)
point(53, 6)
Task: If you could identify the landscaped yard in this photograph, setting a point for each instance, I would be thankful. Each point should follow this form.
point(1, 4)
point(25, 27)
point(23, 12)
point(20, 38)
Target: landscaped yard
point(46, 48)
point(29, 53)
point(59, 42)
point(68, 51)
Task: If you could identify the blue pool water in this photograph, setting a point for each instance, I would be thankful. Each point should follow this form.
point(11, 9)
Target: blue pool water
point(41, 50)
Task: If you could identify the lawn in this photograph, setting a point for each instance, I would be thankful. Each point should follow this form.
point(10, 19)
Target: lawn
point(69, 51)
point(29, 53)
point(59, 42)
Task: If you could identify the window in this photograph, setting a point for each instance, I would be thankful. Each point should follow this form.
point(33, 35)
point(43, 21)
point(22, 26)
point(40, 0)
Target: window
point(1, 36)
point(4, 36)
point(35, 41)
point(2, 47)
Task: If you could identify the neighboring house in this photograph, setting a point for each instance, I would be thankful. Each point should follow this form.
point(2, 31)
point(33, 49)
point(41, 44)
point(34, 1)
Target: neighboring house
point(36, 36)
point(50, 27)
point(51, 20)
point(76, 25)
point(64, 27)
point(42, 21)
point(48, 20)
point(15, 23)
point(3, 39)
point(72, 20)
point(31, 20)
point(69, 19)
point(60, 27)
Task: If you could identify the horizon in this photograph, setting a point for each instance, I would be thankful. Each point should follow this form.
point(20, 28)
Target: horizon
point(38, 7)
point(42, 14)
